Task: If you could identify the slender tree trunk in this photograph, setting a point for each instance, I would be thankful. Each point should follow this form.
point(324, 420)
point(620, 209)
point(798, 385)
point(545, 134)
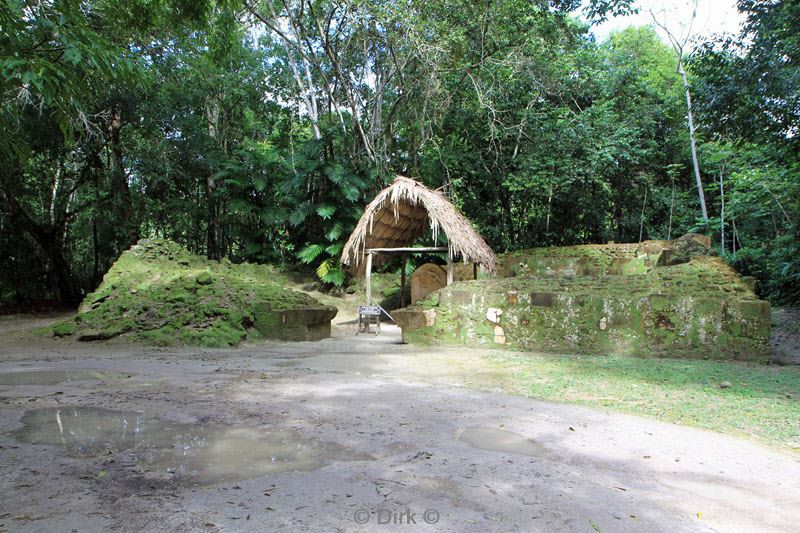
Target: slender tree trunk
point(122, 206)
point(96, 268)
point(547, 221)
point(699, 180)
point(671, 206)
point(212, 216)
point(733, 223)
point(119, 183)
point(679, 45)
point(780, 205)
point(212, 202)
point(722, 212)
point(641, 223)
point(55, 191)
point(506, 201)
point(307, 88)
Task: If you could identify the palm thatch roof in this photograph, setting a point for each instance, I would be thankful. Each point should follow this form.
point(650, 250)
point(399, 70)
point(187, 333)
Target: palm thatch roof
point(400, 213)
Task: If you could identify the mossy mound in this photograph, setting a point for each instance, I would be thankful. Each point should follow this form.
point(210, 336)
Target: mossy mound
point(159, 293)
point(603, 259)
point(603, 299)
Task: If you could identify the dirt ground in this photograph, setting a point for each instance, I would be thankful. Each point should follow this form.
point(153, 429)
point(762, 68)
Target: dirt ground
point(369, 434)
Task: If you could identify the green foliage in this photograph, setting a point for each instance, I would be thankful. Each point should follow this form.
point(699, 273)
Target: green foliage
point(776, 265)
point(749, 85)
point(175, 119)
point(310, 253)
point(762, 206)
point(51, 56)
point(597, 136)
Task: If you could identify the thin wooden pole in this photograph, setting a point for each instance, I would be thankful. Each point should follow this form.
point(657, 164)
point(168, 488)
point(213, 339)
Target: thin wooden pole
point(474, 270)
point(408, 250)
point(722, 211)
point(449, 269)
point(641, 224)
point(671, 205)
point(403, 283)
point(369, 279)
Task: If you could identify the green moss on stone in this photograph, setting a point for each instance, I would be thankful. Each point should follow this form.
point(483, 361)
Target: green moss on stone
point(159, 293)
point(65, 329)
point(604, 299)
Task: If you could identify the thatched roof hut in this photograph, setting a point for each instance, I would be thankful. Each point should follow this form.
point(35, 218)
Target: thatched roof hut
point(400, 213)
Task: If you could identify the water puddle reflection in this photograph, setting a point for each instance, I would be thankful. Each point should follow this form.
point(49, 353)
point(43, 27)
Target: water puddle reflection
point(51, 377)
point(202, 454)
point(498, 440)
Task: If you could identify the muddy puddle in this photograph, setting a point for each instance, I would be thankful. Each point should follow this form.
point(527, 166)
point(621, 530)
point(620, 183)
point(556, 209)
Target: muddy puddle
point(195, 453)
point(52, 377)
point(498, 440)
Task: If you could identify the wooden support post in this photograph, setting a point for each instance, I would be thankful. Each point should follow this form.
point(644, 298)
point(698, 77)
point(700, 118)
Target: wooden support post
point(369, 279)
point(449, 269)
point(474, 270)
point(403, 282)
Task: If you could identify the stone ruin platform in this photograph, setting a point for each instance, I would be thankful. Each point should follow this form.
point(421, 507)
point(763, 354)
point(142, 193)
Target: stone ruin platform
point(159, 293)
point(657, 298)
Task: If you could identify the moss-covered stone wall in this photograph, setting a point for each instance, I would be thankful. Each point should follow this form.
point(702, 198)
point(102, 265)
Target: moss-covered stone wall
point(603, 299)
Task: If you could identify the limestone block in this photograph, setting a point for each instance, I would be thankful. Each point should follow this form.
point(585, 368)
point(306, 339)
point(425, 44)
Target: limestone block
point(300, 324)
point(499, 335)
point(426, 279)
point(493, 314)
point(410, 319)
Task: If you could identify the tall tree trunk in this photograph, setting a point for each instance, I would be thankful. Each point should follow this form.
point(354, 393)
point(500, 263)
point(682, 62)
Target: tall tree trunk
point(671, 206)
point(55, 191)
point(699, 180)
point(212, 202)
point(96, 267)
point(68, 291)
point(641, 223)
point(119, 183)
point(95, 239)
point(122, 206)
point(722, 212)
point(212, 216)
point(549, 211)
point(506, 202)
point(679, 45)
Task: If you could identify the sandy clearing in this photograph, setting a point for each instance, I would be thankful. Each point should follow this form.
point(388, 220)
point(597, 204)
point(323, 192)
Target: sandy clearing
point(405, 408)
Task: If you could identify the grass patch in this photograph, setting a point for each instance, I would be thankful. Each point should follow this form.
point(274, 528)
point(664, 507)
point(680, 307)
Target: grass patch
point(762, 402)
